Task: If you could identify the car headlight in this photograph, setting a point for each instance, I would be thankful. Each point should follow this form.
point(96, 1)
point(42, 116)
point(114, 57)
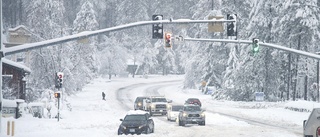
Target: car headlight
point(153, 106)
point(139, 104)
point(184, 114)
point(202, 114)
point(142, 126)
point(124, 127)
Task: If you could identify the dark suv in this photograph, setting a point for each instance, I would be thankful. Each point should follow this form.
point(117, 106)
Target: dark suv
point(193, 101)
point(138, 103)
point(136, 122)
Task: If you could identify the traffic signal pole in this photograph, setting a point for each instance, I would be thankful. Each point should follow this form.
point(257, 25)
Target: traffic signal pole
point(58, 106)
point(1, 43)
point(86, 34)
point(274, 46)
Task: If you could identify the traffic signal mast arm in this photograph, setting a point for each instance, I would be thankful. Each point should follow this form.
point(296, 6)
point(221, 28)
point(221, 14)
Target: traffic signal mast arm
point(85, 34)
point(303, 53)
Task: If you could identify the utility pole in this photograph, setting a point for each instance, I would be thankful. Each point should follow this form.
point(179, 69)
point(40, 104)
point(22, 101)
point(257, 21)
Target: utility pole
point(318, 91)
point(318, 96)
point(1, 100)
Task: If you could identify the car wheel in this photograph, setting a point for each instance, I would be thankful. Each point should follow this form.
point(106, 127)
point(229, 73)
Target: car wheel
point(152, 130)
point(150, 112)
point(202, 123)
point(183, 123)
point(119, 132)
point(148, 130)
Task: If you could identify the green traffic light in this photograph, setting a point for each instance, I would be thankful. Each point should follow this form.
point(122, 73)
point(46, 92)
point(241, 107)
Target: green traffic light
point(255, 48)
point(255, 45)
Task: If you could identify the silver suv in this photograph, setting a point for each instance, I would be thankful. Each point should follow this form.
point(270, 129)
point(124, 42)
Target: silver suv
point(191, 114)
point(311, 127)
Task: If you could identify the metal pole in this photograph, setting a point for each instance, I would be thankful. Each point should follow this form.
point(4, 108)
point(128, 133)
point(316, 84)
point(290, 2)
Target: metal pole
point(299, 52)
point(1, 66)
point(318, 97)
point(58, 109)
point(318, 94)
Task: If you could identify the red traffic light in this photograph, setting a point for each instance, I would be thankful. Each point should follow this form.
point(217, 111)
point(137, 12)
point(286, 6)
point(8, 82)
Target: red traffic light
point(167, 40)
point(168, 36)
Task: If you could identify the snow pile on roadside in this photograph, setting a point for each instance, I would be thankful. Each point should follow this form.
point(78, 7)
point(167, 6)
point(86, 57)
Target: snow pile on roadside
point(301, 105)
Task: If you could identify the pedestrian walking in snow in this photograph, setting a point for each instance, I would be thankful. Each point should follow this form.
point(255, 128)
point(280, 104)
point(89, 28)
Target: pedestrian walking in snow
point(103, 96)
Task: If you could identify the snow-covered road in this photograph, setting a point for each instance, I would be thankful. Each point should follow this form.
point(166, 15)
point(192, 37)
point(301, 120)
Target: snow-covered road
point(91, 116)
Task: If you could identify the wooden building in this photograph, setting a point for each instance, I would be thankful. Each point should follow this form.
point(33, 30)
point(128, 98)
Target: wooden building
point(13, 79)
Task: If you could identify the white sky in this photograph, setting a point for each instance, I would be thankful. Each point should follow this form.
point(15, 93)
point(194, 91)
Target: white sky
point(91, 116)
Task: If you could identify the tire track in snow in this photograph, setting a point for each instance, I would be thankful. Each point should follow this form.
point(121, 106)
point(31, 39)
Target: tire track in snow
point(255, 122)
point(123, 94)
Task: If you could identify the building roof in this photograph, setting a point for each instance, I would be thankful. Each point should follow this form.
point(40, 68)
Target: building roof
point(16, 64)
point(18, 27)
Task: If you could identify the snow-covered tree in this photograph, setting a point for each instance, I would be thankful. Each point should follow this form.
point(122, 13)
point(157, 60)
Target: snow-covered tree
point(83, 56)
point(44, 21)
point(113, 57)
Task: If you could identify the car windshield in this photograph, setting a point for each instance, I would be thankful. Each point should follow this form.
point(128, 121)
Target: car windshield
point(177, 108)
point(135, 117)
point(139, 99)
point(158, 100)
point(193, 100)
point(192, 108)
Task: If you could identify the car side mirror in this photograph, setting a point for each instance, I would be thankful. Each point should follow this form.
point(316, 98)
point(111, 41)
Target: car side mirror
point(169, 101)
point(204, 109)
point(304, 123)
point(121, 119)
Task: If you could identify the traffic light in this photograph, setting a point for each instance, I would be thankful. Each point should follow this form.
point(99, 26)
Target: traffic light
point(167, 40)
point(157, 29)
point(232, 26)
point(255, 45)
point(57, 95)
point(59, 79)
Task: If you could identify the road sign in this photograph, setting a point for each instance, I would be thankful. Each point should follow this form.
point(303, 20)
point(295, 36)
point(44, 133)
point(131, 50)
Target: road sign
point(215, 27)
point(259, 96)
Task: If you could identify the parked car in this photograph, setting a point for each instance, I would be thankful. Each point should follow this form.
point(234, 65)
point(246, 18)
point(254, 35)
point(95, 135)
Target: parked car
point(311, 127)
point(173, 112)
point(138, 103)
point(191, 114)
point(193, 101)
point(136, 122)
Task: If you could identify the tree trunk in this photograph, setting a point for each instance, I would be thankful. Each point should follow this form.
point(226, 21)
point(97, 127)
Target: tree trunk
point(297, 66)
point(305, 87)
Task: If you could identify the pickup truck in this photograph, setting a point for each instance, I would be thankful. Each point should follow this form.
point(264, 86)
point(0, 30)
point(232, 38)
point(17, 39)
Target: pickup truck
point(156, 105)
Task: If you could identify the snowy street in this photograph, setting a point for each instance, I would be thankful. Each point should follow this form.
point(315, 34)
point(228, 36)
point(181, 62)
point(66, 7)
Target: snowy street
point(92, 116)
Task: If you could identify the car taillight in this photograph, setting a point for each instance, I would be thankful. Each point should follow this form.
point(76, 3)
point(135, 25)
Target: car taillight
point(318, 132)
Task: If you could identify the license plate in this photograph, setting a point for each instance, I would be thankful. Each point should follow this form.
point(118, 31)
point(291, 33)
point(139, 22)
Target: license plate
point(131, 130)
point(194, 120)
point(161, 110)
